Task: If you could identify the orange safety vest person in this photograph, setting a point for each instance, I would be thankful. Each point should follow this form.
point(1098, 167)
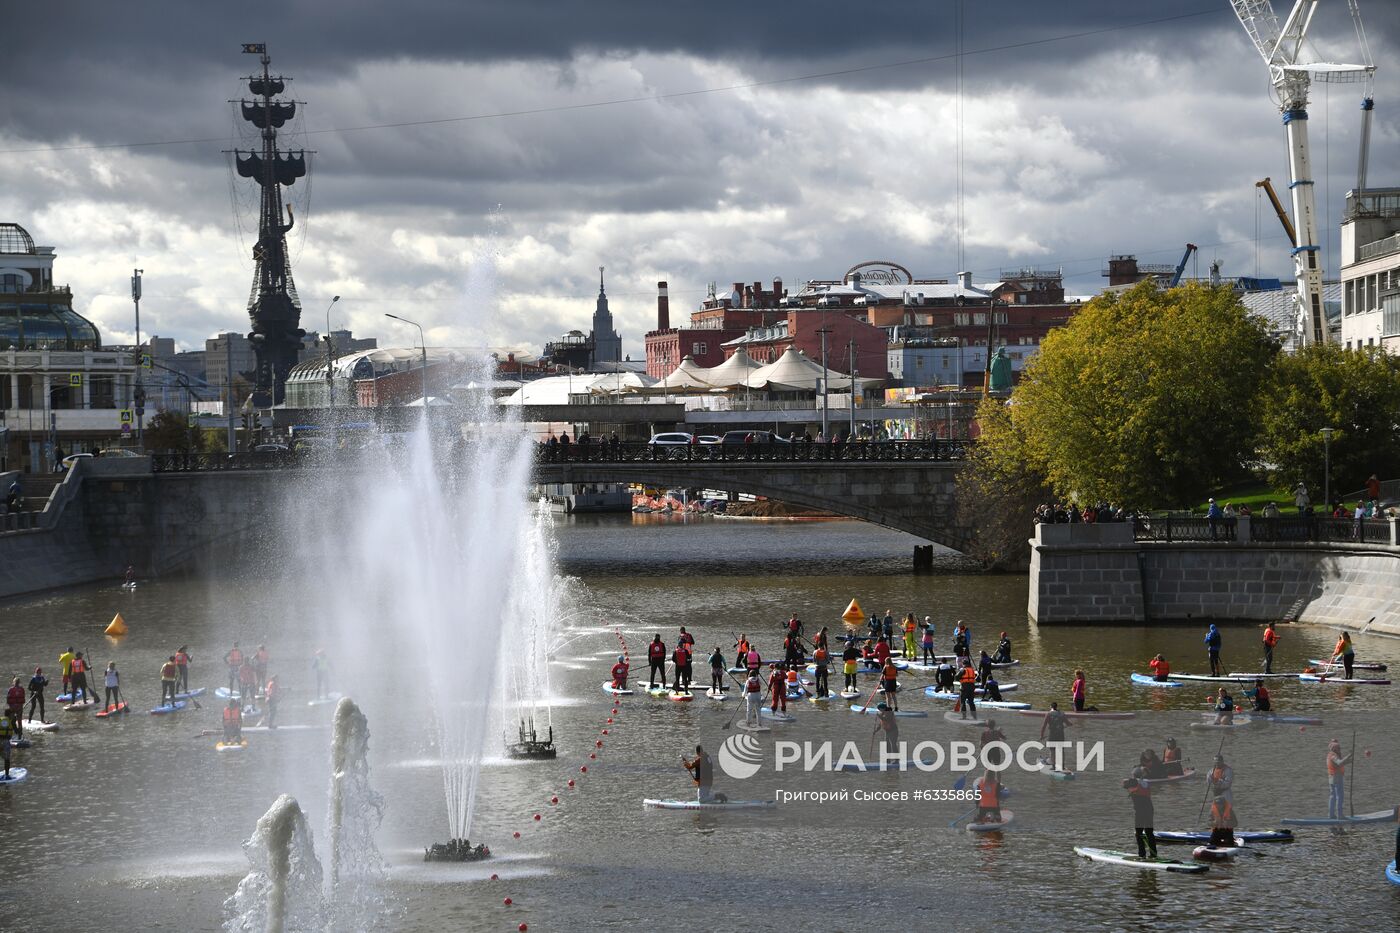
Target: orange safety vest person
point(988, 790)
point(233, 716)
point(890, 673)
point(1270, 637)
point(968, 676)
point(1160, 668)
point(79, 666)
point(234, 658)
point(168, 671)
point(1336, 765)
point(819, 656)
point(1171, 753)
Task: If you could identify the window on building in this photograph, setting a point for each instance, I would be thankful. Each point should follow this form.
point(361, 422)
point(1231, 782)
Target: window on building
point(979, 319)
point(1348, 297)
point(698, 349)
point(10, 283)
point(999, 317)
point(961, 319)
point(101, 392)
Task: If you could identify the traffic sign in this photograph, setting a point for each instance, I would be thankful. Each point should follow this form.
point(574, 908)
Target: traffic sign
point(127, 417)
point(75, 379)
point(126, 429)
point(146, 360)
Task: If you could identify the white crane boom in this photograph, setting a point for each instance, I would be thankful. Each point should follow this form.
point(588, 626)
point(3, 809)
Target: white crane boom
point(1281, 48)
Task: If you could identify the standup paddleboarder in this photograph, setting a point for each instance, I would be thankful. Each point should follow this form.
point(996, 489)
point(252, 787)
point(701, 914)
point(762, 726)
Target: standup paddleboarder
point(1077, 691)
point(169, 680)
point(1345, 653)
point(233, 722)
point(7, 732)
point(969, 686)
point(910, 627)
point(182, 664)
point(1336, 780)
point(260, 659)
point(65, 666)
point(80, 681)
point(889, 684)
point(989, 794)
point(271, 696)
point(702, 771)
point(112, 687)
point(753, 698)
point(1140, 793)
point(1054, 722)
point(885, 722)
point(777, 685)
point(717, 667)
point(1212, 641)
point(37, 683)
point(234, 660)
point(656, 657)
point(820, 658)
point(926, 640)
point(1221, 781)
point(1270, 639)
point(849, 659)
point(984, 666)
point(1003, 655)
point(14, 706)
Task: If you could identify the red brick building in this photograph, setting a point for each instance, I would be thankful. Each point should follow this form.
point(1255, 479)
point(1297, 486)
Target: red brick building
point(721, 318)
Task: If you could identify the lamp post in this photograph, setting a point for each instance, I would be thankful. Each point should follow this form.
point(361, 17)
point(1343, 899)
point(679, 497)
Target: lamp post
point(852, 346)
point(139, 396)
point(422, 342)
point(330, 376)
point(826, 424)
point(1327, 469)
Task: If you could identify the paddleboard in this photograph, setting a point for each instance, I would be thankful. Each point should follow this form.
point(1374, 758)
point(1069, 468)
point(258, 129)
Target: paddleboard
point(1331, 679)
point(716, 695)
point(900, 713)
point(1073, 715)
point(829, 698)
point(224, 693)
point(991, 827)
point(1111, 857)
point(64, 698)
point(993, 704)
point(955, 717)
point(167, 708)
point(1241, 836)
point(749, 727)
point(291, 728)
point(656, 690)
point(615, 691)
point(767, 713)
point(1048, 767)
point(190, 694)
point(850, 694)
point(131, 587)
point(16, 775)
point(332, 697)
point(1391, 874)
point(681, 696)
point(1228, 678)
point(231, 746)
point(111, 710)
point(1286, 720)
point(79, 707)
point(34, 725)
point(1216, 853)
point(1001, 665)
point(653, 804)
point(1147, 680)
point(1240, 722)
point(20, 742)
point(738, 670)
point(1357, 666)
point(1185, 775)
point(977, 694)
point(1380, 816)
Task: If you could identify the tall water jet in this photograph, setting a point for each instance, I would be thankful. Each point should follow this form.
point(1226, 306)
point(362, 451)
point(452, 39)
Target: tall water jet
point(354, 815)
point(535, 605)
point(282, 890)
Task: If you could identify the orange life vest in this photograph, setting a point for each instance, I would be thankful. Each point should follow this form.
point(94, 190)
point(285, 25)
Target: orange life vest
point(988, 791)
point(969, 676)
point(233, 716)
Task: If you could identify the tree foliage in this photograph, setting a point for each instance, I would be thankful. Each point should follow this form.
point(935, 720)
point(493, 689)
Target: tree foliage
point(1354, 392)
point(1143, 398)
point(998, 492)
point(170, 431)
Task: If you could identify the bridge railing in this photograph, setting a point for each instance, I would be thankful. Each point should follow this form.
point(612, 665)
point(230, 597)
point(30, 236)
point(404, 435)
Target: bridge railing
point(220, 462)
point(1183, 527)
point(1186, 527)
point(603, 451)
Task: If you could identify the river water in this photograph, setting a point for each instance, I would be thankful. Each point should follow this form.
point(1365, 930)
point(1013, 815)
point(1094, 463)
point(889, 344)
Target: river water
point(137, 823)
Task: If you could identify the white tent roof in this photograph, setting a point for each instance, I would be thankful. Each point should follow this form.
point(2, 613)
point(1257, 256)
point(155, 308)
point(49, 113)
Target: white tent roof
point(793, 370)
point(434, 401)
point(734, 371)
point(688, 375)
point(623, 381)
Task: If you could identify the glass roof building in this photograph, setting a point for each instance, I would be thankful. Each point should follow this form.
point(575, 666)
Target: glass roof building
point(35, 314)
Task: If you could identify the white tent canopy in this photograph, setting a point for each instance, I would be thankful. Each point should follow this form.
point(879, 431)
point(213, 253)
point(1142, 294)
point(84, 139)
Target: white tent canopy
point(793, 371)
point(688, 375)
point(734, 371)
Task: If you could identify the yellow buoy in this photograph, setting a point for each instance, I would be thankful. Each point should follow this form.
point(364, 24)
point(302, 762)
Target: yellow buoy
point(853, 616)
point(117, 628)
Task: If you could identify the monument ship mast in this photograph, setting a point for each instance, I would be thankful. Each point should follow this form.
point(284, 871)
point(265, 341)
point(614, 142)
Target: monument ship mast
point(273, 306)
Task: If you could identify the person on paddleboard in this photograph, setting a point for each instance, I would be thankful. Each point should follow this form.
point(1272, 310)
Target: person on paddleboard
point(886, 726)
point(1212, 640)
point(169, 681)
point(1259, 697)
point(80, 681)
point(822, 640)
point(984, 667)
point(753, 698)
point(1151, 765)
point(702, 771)
point(889, 684)
point(7, 732)
point(37, 683)
point(1054, 723)
point(182, 666)
point(717, 668)
point(321, 667)
point(111, 687)
point(926, 640)
point(990, 733)
point(945, 677)
point(14, 706)
point(911, 628)
point(130, 576)
point(272, 695)
point(777, 686)
point(1003, 654)
point(989, 794)
point(968, 679)
point(1336, 780)
point(991, 690)
point(656, 658)
point(1078, 691)
point(753, 661)
point(850, 659)
point(233, 722)
point(1171, 758)
point(961, 642)
point(1140, 793)
point(794, 684)
point(741, 649)
point(234, 660)
point(1224, 708)
point(821, 659)
point(1161, 670)
point(65, 667)
point(887, 629)
point(1270, 640)
point(1221, 782)
point(880, 655)
point(247, 682)
point(260, 660)
point(794, 627)
point(874, 626)
point(1345, 653)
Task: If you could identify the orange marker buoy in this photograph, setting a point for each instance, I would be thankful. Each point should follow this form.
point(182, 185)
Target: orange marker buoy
point(537, 817)
point(853, 616)
point(515, 835)
point(553, 799)
point(117, 627)
point(507, 902)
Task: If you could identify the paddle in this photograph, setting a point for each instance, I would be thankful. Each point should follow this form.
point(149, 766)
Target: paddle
point(1351, 790)
point(743, 702)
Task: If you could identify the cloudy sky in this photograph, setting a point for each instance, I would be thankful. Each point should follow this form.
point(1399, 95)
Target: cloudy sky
point(692, 142)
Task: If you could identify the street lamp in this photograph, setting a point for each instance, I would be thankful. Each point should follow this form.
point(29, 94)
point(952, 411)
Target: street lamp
point(423, 343)
point(330, 378)
point(1327, 469)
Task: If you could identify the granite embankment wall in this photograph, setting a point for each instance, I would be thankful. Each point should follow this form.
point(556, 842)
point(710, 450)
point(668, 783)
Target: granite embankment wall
point(1099, 573)
point(107, 515)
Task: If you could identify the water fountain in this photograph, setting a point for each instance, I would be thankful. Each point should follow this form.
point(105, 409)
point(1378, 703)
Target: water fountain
point(282, 890)
point(535, 603)
point(353, 816)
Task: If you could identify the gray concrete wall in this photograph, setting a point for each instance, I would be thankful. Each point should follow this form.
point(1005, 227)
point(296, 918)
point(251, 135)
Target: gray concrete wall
point(1089, 580)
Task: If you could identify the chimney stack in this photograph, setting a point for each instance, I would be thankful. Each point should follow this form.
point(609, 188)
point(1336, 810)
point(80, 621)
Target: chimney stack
point(965, 279)
point(663, 308)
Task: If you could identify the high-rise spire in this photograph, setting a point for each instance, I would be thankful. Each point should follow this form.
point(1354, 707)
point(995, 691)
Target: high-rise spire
point(601, 293)
point(607, 345)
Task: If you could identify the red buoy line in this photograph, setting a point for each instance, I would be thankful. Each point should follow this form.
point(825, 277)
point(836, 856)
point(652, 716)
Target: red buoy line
point(508, 901)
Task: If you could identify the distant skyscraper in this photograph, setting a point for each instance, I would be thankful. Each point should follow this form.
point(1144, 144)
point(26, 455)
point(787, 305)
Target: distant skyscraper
point(607, 345)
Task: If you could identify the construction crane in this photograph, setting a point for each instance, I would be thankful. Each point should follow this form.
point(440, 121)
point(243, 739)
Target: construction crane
point(1282, 50)
point(1368, 104)
point(1181, 266)
point(1268, 186)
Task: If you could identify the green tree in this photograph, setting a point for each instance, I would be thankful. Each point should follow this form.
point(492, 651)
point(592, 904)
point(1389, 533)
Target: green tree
point(999, 491)
point(171, 431)
point(1143, 398)
point(1354, 392)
